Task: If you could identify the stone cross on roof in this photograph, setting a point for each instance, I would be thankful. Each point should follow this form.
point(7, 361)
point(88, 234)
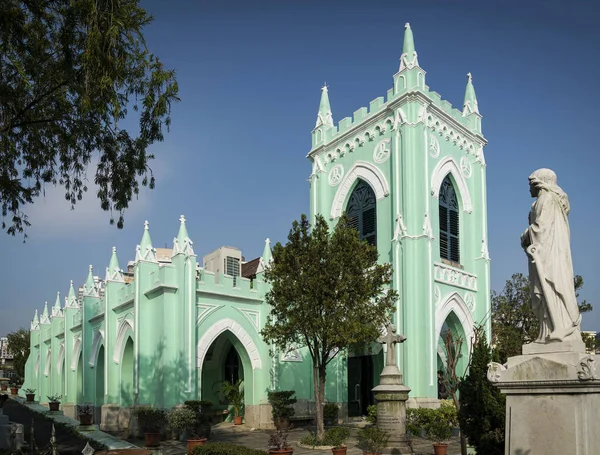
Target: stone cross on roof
point(390, 339)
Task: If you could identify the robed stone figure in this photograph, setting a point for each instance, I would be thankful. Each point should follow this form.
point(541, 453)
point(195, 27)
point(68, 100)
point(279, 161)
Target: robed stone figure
point(547, 244)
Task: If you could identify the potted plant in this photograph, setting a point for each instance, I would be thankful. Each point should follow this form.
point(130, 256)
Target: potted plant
point(337, 437)
point(3, 386)
point(29, 395)
point(439, 431)
point(151, 421)
point(14, 389)
point(330, 414)
point(278, 444)
point(282, 407)
point(183, 419)
point(372, 440)
point(234, 394)
point(54, 402)
point(202, 410)
point(85, 412)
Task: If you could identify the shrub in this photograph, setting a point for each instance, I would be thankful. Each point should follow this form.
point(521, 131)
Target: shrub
point(372, 414)
point(330, 412)
point(418, 419)
point(282, 404)
point(482, 406)
point(336, 436)
point(372, 439)
point(225, 448)
point(150, 420)
point(438, 429)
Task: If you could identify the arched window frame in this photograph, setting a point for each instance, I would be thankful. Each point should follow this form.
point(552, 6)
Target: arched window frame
point(362, 211)
point(449, 221)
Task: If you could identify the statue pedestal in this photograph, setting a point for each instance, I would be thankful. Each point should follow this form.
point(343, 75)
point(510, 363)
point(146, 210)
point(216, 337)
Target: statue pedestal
point(552, 403)
point(4, 432)
point(391, 396)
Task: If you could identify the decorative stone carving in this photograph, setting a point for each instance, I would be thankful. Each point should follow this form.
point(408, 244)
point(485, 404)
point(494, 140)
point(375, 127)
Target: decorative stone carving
point(336, 175)
point(465, 167)
point(381, 153)
point(587, 369)
point(470, 301)
point(390, 339)
point(434, 146)
point(547, 245)
point(451, 275)
point(494, 371)
point(437, 295)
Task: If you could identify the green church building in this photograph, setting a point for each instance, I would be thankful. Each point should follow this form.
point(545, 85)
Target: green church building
point(410, 172)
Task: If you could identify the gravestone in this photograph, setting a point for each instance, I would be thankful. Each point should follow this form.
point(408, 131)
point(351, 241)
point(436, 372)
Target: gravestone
point(552, 389)
point(391, 396)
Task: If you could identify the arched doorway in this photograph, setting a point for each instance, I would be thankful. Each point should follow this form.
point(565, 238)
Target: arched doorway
point(364, 367)
point(226, 360)
point(458, 345)
point(99, 399)
point(127, 362)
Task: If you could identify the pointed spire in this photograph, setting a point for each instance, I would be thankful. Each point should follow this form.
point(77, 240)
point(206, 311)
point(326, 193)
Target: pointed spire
point(71, 299)
point(324, 117)
point(90, 284)
point(470, 105)
point(267, 255)
point(145, 250)
point(408, 59)
point(44, 319)
point(36, 320)
point(113, 271)
point(56, 309)
point(182, 243)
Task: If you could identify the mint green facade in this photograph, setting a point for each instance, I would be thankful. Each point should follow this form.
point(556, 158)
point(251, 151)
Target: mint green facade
point(168, 330)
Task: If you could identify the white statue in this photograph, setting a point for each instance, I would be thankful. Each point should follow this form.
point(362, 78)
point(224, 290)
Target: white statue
point(547, 244)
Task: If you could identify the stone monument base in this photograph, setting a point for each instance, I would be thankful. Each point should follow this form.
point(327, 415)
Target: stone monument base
point(109, 417)
point(391, 396)
point(552, 403)
point(5, 443)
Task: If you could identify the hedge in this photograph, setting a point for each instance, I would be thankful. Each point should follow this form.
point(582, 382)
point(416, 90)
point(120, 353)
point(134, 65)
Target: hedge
point(225, 448)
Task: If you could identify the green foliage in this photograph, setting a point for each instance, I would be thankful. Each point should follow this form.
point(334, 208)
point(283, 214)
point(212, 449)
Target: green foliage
point(182, 419)
point(18, 341)
point(282, 404)
point(328, 292)
point(234, 394)
point(150, 420)
point(438, 429)
point(333, 437)
point(372, 439)
point(278, 439)
point(418, 419)
point(54, 398)
point(482, 406)
point(29, 391)
point(513, 321)
point(70, 72)
point(225, 448)
point(372, 414)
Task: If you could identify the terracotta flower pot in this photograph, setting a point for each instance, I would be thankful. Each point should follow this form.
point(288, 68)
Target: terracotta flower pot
point(14, 390)
point(286, 451)
point(371, 453)
point(30, 397)
point(440, 449)
point(3, 387)
point(191, 443)
point(53, 405)
point(152, 439)
point(339, 450)
point(237, 420)
point(86, 419)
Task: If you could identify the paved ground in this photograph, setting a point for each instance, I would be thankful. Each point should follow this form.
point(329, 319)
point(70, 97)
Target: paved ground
point(70, 442)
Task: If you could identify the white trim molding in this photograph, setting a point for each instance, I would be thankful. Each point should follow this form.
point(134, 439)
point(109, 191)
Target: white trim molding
point(454, 303)
point(238, 331)
point(76, 352)
point(367, 172)
point(61, 358)
point(125, 330)
point(98, 338)
point(448, 165)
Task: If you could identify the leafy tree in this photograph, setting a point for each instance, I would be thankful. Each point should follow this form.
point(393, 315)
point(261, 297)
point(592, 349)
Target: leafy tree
point(327, 293)
point(513, 321)
point(70, 72)
point(482, 411)
point(18, 344)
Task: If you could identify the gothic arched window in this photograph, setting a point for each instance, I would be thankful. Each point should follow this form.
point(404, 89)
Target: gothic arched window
point(449, 222)
point(362, 213)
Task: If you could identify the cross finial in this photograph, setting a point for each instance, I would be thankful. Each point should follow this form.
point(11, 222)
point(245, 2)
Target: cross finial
point(325, 87)
point(146, 224)
point(390, 340)
point(470, 77)
point(71, 282)
point(268, 241)
point(182, 219)
point(114, 249)
point(91, 267)
point(407, 25)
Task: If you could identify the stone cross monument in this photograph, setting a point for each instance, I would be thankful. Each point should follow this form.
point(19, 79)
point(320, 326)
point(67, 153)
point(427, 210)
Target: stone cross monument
point(552, 390)
point(391, 395)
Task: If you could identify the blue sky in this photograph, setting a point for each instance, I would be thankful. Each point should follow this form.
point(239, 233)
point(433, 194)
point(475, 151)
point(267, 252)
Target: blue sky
point(250, 75)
